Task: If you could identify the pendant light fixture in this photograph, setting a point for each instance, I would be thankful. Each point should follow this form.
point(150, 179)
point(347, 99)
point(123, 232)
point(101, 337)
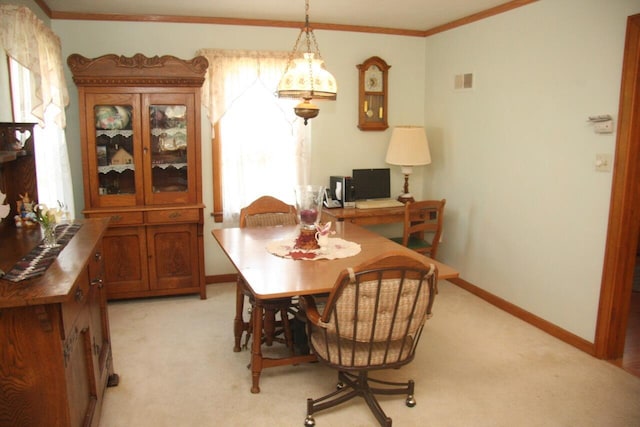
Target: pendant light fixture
point(305, 75)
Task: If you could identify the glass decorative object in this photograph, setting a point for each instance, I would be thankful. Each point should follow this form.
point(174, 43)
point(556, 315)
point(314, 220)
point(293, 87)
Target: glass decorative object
point(309, 206)
point(49, 235)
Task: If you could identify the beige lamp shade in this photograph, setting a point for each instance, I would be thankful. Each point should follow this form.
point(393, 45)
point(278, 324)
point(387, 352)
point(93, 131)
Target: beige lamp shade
point(408, 147)
point(308, 79)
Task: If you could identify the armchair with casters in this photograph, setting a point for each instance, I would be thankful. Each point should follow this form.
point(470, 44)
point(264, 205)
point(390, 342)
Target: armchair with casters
point(372, 320)
point(262, 212)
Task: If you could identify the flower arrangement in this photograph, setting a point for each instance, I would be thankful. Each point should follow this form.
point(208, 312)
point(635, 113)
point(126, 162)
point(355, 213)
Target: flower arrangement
point(47, 217)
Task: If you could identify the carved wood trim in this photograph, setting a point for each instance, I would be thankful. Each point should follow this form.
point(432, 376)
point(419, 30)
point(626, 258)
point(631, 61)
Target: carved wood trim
point(137, 70)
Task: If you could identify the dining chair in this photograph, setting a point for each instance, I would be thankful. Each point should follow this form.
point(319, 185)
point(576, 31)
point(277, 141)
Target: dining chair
point(372, 321)
point(422, 228)
point(262, 212)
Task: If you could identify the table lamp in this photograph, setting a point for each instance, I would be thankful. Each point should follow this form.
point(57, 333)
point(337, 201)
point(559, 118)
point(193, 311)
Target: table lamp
point(408, 148)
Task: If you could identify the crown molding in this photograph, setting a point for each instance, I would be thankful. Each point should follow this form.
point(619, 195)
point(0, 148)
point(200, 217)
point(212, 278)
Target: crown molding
point(505, 7)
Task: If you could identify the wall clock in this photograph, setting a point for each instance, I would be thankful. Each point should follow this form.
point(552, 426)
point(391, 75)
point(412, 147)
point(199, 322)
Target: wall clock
point(372, 94)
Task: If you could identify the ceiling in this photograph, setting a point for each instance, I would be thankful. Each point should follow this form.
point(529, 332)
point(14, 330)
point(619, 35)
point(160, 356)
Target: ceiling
point(396, 14)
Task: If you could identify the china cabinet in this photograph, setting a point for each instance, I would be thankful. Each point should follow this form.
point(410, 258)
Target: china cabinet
point(140, 132)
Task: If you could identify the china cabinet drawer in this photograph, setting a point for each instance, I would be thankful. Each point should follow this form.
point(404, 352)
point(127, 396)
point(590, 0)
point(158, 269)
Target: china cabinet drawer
point(120, 218)
point(173, 215)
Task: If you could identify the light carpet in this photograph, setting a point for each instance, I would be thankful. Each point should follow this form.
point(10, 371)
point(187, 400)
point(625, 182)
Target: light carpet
point(475, 366)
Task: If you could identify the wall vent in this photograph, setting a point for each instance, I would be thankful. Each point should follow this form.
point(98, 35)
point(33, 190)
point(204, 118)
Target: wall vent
point(463, 81)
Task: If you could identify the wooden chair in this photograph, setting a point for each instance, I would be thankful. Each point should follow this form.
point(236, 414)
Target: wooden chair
point(372, 320)
point(264, 211)
point(422, 226)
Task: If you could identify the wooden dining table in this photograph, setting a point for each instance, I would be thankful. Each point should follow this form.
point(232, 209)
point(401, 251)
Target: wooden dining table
point(269, 276)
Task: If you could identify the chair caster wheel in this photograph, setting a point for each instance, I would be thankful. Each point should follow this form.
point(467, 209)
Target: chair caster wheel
point(340, 385)
point(309, 421)
point(411, 401)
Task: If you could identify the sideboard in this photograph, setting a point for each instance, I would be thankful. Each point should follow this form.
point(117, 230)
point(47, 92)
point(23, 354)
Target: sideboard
point(55, 344)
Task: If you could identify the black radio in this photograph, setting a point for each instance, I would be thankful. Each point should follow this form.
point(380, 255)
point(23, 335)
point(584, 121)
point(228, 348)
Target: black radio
point(343, 189)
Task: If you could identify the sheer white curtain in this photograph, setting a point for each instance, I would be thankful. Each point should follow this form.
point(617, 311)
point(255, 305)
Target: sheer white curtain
point(39, 94)
point(265, 146)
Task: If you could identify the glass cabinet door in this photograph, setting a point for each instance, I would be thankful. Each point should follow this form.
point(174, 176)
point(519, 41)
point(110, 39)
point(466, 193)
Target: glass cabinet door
point(171, 148)
point(115, 156)
point(114, 149)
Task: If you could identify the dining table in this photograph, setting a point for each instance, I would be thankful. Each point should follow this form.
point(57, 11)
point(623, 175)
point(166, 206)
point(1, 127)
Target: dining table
point(272, 268)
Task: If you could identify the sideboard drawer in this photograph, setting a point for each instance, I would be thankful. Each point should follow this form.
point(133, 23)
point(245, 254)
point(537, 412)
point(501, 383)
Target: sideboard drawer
point(72, 308)
point(173, 215)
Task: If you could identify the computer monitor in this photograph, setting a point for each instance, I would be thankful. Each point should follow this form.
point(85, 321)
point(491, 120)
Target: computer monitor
point(372, 183)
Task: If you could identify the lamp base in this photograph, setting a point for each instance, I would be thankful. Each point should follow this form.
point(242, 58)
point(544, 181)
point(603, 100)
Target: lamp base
point(404, 198)
point(306, 110)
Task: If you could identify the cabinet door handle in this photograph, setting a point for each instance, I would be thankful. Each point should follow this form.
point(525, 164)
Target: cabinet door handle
point(97, 256)
point(97, 282)
point(175, 215)
point(79, 295)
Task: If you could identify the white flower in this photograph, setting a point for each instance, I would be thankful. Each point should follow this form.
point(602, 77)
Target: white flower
point(45, 216)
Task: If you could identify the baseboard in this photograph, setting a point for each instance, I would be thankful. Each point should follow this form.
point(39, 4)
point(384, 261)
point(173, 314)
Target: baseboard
point(532, 319)
point(221, 278)
point(514, 310)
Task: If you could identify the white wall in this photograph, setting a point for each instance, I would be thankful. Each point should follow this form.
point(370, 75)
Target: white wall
point(526, 215)
point(526, 212)
point(337, 144)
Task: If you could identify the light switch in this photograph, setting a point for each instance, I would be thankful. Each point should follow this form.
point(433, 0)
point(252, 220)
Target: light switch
point(603, 162)
point(603, 127)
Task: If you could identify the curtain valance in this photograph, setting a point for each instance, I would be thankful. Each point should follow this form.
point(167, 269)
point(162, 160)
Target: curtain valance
point(231, 72)
point(27, 40)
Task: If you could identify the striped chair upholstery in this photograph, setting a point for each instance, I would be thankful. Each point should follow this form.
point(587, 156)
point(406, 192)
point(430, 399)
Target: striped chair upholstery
point(263, 212)
point(372, 320)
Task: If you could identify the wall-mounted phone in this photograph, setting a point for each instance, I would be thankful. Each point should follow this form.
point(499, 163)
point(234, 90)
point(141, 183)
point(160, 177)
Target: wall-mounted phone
point(329, 202)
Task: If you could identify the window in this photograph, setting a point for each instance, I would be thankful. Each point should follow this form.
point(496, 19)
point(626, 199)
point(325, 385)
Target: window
point(39, 94)
point(260, 145)
point(52, 161)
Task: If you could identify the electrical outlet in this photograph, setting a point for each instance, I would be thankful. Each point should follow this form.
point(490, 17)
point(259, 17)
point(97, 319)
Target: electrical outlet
point(603, 162)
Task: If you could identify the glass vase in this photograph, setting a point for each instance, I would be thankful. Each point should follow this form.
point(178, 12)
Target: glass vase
point(309, 205)
point(49, 235)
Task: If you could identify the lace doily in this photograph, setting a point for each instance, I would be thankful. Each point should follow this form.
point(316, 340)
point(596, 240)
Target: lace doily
point(336, 248)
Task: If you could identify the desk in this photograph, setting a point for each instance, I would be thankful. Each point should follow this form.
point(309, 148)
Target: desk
point(269, 276)
point(364, 216)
